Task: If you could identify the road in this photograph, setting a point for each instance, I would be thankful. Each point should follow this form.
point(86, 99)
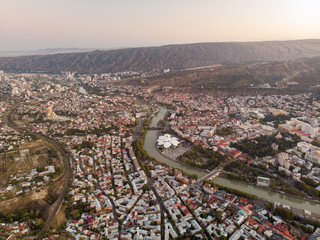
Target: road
point(162, 207)
point(114, 209)
point(137, 129)
point(64, 153)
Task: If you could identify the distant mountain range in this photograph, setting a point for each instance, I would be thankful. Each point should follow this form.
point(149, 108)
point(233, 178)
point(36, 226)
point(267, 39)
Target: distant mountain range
point(45, 51)
point(175, 57)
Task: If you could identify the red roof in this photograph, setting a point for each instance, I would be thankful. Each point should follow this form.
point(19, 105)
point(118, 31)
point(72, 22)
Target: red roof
point(300, 133)
point(184, 209)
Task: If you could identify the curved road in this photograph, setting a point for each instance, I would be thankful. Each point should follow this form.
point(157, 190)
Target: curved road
point(64, 154)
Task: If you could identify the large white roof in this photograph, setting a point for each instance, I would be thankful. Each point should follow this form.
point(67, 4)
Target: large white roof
point(160, 142)
point(167, 140)
point(174, 142)
point(162, 138)
point(167, 145)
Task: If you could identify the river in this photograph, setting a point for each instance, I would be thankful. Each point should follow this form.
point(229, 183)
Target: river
point(269, 195)
point(150, 147)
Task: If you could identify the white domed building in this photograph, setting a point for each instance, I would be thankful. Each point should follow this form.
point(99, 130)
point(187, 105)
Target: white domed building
point(167, 141)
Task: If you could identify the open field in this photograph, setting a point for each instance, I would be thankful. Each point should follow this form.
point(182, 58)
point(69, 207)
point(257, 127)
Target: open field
point(30, 155)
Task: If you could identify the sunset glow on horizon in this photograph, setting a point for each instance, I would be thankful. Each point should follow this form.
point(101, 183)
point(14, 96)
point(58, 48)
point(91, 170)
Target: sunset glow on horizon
point(38, 24)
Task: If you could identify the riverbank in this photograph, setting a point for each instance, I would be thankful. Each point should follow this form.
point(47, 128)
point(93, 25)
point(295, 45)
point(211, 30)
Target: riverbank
point(170, 157)
point(225, 175)
point(175, 160)
point(184, 167)
point(268, 195)
point(150, 148)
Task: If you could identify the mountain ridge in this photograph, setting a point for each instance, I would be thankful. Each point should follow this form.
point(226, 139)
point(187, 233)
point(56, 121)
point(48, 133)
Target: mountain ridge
point(174, 56)
point(45, 51)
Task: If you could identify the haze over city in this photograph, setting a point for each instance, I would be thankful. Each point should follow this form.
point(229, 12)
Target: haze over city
point(38, 24)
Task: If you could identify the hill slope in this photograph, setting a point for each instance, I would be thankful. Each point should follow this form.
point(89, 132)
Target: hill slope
point(173, 57)
point(291, 74)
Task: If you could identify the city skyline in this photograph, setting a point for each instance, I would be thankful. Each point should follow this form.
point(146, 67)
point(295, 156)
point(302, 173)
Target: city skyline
point(39, 24)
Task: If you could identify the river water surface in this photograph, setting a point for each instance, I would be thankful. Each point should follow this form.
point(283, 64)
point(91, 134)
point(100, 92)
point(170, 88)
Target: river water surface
point(150, 147)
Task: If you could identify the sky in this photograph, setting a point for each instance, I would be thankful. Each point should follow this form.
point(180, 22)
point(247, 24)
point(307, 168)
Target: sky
point(38, 24)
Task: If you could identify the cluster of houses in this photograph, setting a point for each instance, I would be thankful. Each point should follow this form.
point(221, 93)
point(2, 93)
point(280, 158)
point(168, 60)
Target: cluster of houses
point(113, 186)
point(11, 153)
point(293, 160)
point(18, 229)
point(112, 197)
point(24, 183)
point(10, 139)
point(207, 115)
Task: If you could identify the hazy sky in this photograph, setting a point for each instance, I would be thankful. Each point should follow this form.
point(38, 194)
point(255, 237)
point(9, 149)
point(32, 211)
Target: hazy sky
point(38, 24)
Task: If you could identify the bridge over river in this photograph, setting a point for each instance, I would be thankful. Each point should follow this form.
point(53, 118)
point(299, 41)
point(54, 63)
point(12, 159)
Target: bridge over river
point(210, 176)
point(153, 128)
point(150, 147)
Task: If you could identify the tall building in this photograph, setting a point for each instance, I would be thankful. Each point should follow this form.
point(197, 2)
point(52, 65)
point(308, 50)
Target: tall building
point(51, 114)
point(284, 160)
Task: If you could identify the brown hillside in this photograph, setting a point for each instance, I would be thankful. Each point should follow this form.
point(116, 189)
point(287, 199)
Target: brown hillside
point(175, 57)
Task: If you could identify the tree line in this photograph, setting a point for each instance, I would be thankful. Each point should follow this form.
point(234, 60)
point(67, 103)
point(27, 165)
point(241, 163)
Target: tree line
point(262, 146)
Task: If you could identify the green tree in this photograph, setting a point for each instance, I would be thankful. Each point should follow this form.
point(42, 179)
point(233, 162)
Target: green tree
point(284, 213)
point(145, 188)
